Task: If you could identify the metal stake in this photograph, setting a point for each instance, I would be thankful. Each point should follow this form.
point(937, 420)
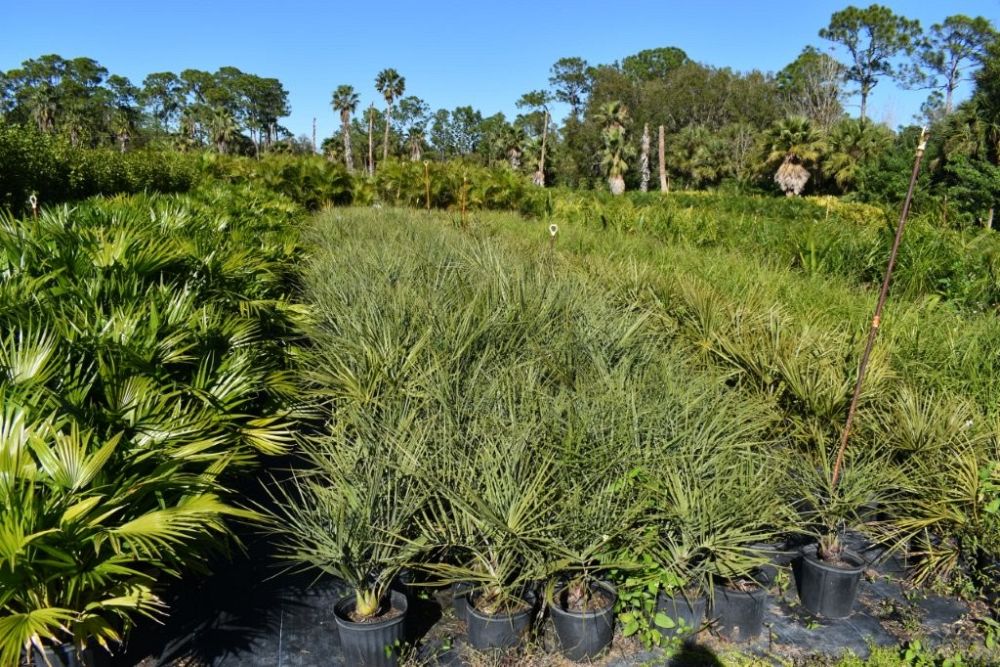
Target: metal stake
point(877, 319)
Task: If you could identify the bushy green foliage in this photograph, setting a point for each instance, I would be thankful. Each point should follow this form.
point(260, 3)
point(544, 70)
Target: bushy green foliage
point(144, 361)
point(818, 236)
point(47, 166)
point(308, 180)
point(315, 182)
point(454, 185)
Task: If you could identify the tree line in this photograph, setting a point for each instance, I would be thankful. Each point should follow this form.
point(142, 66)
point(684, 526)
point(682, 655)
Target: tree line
point(228, 110)
point(694, 124)
point(711, 126)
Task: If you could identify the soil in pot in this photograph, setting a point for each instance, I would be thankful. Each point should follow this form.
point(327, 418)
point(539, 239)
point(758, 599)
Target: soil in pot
point(685, 608)
point(504, 629)
point(584, 624)
point(374, 641)
point(739, 608)
point(829, 588)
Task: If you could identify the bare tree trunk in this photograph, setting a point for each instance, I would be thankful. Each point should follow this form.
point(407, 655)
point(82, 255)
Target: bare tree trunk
point(664, 186)
point(616, 183)
point(371, 146)
point(644, 160)
point(864, 104)
point(953, 77)
point(345, 128)
point(388, 124)
point(314, 134)
point(989, 219)
point(539, 177)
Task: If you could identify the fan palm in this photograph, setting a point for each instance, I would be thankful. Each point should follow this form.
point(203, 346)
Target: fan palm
point(143, 361)
point(391, 85)
point(223, 128)
point(351, 515)
point(796, 144)
point(510, 141)
point(345, 102)
point(613, 116)
point(415, 140)
point(851, 144)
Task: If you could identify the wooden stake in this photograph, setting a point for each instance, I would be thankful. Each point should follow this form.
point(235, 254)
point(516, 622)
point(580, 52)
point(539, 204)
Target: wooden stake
point(664, 186)
point(427, 184)
point(371, 146)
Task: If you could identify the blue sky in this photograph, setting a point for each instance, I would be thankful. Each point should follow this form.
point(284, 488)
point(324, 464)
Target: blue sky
point(451, 53)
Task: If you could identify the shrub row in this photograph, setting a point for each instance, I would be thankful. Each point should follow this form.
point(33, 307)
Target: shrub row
point(54, 171)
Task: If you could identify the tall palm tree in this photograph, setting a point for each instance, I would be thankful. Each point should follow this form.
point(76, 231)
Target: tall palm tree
point(391, 85)
point(613, 116)
point(371, 150)
point(796, 143)
point(345, 101)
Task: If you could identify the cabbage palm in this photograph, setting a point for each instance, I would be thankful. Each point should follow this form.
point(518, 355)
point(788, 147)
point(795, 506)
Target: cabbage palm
point(795, 144)
point(613, 116)
point(415, 140)
point(391, 85)
point(345, 102)
point(223, 128)
point(510, 142)
point(694, 152)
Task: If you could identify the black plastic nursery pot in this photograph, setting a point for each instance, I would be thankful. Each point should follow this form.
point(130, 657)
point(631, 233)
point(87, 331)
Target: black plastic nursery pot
point(739, 614)
point(64, 655)
point(496, 631)
point(687, 612)
point(374, 644)
point(585, 634)
point(827, 589)
point(459, 601)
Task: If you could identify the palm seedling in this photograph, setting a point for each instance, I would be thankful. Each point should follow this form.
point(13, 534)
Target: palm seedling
point(947, 510)
point(350, 512)
point(492, 490)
